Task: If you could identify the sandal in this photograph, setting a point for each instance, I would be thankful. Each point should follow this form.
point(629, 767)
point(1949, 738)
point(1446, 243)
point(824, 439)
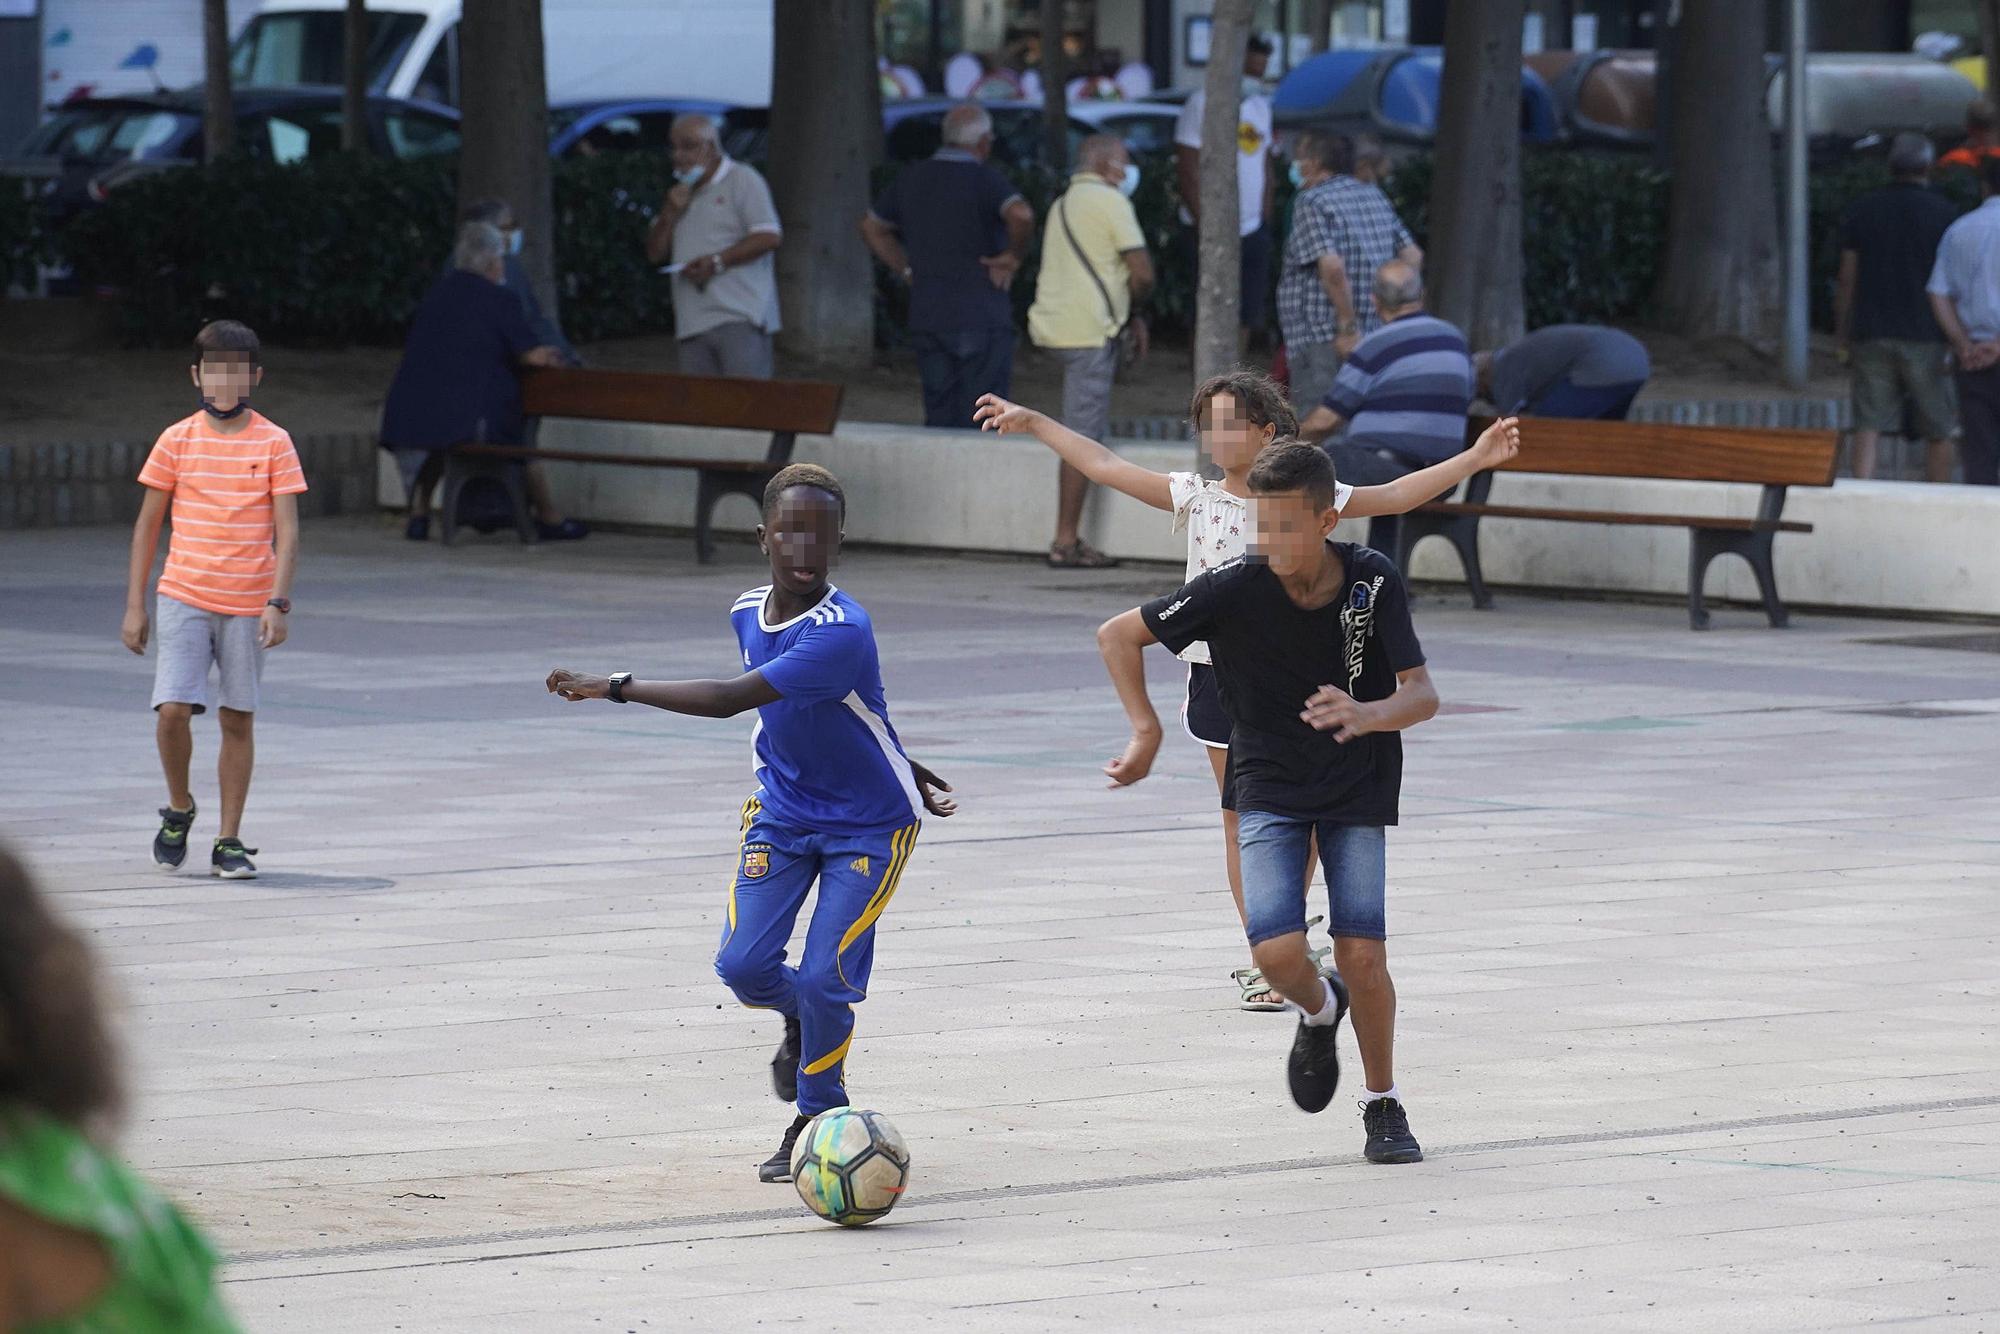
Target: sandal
point(1256, 992)
point(1258, 995)
point(1079, 555)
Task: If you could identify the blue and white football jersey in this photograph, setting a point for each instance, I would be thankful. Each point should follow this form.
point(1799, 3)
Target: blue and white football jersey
point(826, 753)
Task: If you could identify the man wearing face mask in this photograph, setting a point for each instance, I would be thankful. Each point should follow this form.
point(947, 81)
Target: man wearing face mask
point(1343, 231)
point(1095, 271)
point(499, 213)
point(719, 229)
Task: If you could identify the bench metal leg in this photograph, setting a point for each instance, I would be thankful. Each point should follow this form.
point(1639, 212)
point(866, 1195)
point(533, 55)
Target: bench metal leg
point(712, 488)
point(1705, 544)
point(457, 472)
point(1462, 531)
point(514, 478)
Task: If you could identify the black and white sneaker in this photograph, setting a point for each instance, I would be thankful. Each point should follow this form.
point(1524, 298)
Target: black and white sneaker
point(785, 1065)
point(1389, 1137)
point(170, 845)
point(1314, 1068)
point(778, 1167)
point(231, 860)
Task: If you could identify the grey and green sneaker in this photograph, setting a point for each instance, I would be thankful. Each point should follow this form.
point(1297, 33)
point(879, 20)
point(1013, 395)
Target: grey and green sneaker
point(231, 860)
point(170, 845)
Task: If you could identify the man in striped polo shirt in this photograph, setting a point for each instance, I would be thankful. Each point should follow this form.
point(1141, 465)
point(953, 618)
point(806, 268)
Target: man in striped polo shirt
point(1403, 395)
point(231, 479)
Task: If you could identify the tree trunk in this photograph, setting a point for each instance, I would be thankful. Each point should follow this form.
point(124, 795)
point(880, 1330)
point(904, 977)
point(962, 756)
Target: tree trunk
point(1318, 21)
point(354, 85)
point(1218, 301)
point(1055, 95)
point(1474, 260)
point(1721, 274)
point(1989, 43)
point(505, 106)
point(826, 132)
point(218, 109)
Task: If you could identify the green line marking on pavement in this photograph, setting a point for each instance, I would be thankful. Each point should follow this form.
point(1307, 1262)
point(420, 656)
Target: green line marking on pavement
point(1634, 724)
point(1986, 1180)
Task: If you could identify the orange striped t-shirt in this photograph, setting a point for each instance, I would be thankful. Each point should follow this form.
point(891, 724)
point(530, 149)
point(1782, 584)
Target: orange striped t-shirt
point(220, 556)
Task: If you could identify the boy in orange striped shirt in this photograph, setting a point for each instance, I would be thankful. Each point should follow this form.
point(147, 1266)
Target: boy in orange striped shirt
point(231, 480)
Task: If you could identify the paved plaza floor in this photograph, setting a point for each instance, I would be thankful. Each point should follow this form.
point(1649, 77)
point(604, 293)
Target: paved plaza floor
point(1695, 936)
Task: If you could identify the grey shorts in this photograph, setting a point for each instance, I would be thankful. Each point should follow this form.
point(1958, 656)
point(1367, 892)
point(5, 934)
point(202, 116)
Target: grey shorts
point(1313, 368)
point(738, 349)
point(186, 640)
point(1086, 393)
point(1889, 372)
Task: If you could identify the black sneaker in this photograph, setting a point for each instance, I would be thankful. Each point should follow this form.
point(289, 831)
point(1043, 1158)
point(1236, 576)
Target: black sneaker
point(170, 845)
point(1314, 1067)
point(778, 1167)
point(1389, 1137)
point(785, 1065)
point(231, 860)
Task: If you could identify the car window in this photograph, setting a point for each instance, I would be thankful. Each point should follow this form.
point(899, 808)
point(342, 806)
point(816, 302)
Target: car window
point(439, 81)
point(293, 136)
point(414, 134)
point(1142, 134)
point(140, 133)
point(85, 134)
point(294, 47)
point(915, 137)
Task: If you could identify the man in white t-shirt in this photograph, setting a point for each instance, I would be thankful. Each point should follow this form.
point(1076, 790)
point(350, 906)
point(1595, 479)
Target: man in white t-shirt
point(1255, 182)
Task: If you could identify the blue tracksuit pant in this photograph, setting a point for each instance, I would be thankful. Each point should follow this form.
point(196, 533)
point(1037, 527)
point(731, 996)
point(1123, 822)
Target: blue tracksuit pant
point(857, 875)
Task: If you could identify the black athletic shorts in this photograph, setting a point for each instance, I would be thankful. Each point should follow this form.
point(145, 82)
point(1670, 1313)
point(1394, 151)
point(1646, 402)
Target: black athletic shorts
point(1202, 715)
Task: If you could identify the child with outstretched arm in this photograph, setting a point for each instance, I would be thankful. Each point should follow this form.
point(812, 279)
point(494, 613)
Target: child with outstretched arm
point(1236, 415)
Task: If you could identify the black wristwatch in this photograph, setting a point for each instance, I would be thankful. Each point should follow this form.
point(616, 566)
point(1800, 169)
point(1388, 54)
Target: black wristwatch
point(282, 604)
point(616, 693)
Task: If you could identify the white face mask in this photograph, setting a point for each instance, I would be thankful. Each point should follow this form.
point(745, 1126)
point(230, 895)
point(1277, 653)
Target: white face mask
point(691, 177)
point(1130, 181)
point(514, 239)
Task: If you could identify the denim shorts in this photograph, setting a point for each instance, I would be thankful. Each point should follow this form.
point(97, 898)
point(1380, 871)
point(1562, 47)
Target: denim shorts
point(1274, 848)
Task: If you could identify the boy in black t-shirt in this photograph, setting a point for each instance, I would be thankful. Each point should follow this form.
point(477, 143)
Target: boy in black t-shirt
point(1320, 672)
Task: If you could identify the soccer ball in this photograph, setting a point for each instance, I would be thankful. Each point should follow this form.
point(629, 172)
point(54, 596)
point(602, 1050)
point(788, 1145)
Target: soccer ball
point(850, 1166)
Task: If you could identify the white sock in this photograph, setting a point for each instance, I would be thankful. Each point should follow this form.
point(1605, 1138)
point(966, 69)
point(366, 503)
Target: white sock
point(1370, 1095)
point(1329, 1008)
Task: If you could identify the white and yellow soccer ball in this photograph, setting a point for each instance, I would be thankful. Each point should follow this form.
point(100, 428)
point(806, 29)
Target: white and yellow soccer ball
point(850, 1166)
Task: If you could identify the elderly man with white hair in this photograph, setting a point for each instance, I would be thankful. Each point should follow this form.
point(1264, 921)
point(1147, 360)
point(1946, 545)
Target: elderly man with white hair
point(956, 230)
point(719, 228)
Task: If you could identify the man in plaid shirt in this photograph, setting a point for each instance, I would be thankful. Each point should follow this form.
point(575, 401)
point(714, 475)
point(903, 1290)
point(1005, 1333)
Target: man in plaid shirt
point(1342, 231)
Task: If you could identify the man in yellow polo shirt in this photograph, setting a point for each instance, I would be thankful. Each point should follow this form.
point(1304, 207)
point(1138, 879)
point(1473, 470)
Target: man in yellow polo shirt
point(1095, 269)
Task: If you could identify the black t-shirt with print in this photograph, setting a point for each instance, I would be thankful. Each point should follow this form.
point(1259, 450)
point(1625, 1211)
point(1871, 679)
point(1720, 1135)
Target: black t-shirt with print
point(1271, 655)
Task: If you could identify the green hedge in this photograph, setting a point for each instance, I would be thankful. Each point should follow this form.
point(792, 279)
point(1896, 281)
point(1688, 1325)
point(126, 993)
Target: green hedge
point(341, 249)
point(22, 242)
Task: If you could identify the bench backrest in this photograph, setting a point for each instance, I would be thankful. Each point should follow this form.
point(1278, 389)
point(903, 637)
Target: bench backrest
point(783, 407)
point(1766, 457)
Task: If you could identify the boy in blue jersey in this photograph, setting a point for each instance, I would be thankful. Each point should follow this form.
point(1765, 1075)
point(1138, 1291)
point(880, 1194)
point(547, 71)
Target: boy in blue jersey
point(837, 800)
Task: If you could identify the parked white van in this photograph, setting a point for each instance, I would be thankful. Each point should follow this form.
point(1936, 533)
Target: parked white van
point(594, 49)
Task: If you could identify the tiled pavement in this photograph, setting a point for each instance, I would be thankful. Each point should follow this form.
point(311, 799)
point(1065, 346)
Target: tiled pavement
point(1695, 937)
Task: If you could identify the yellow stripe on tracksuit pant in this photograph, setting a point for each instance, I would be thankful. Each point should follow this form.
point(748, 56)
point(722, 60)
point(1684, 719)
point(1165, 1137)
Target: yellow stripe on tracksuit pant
point(776, 869)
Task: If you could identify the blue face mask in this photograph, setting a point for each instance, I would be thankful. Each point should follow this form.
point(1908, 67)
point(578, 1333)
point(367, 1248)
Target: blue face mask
point(514, 241)
point(690, 177)
point(1130, 182)
point(1298, 175)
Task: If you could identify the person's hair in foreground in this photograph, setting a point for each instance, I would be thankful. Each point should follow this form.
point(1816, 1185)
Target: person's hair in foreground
point(56, 1053)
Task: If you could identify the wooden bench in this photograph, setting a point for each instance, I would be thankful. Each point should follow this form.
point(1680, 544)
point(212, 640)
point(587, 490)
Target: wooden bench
point(785, 408)
point(1772, 459)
